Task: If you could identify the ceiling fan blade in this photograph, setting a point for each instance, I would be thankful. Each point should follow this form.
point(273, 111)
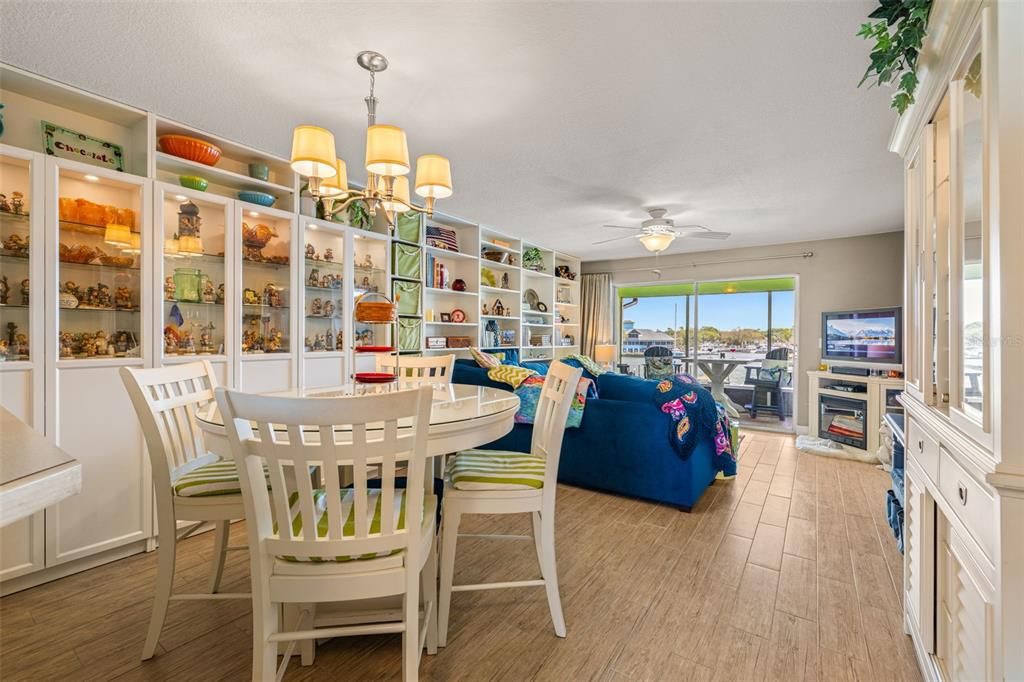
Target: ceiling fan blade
point(691, 227)
point(706, 235)
point(615, 239)
point(623, 227)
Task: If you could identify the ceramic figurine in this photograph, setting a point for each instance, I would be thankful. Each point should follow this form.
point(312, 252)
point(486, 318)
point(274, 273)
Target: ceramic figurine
point(220, 294)
point(101, 342)
point(72, 288)
point(310, 252)
point(170, 341)
point(111, 351)
point(367, 262)
point(122, 342)
point(12, 330)
point(328, 308)
point(306, 344)
point(504, 281)
point(102, 295)
point(484, 310)
point(249, 297)
point(314, 278)
point(336, 281)
point(329, 340)
point(17, 202)
point(272, 295)
point(24, 291)
point(209, 293)
point(17, 245)
point(188, 343)
point(4, 206)
point(189, 221)
point(3, 349)
point(329, 255)
point(89, 345)
point(65, 345)
point(5, 289)
point(498, 310)
point(316, 307)
point(122, 297)
point(169, 289)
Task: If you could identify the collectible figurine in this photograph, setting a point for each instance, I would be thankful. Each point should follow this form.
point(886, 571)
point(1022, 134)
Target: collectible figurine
point(209, 293)
point(329, 340)
point(5, 289)
point(336, 281)
point(4, 206)
point(249, 297)
point(189, 221)
point(272, 295)
point(319, 343)
point(3, 349)
point(306, 344)
point(12, 330)
point(17, 245)
point(110, 350)
point(122, 297)
point(17, 202)
point(484, 310)
point(220, 294)
point(316, 307)
point(328, 308)
point(101, 343)
point(504, 281)
point(103, 297)
point(310, 252)
point(367, 262)
point(329, 255)
point(314, 278)
point(72, 288)
point(188, 344)
point(24, 291)
point(169, 289)
point(65, 345)
point(498, 310)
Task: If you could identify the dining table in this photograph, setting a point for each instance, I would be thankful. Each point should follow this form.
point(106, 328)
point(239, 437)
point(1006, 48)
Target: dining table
point(717, 369)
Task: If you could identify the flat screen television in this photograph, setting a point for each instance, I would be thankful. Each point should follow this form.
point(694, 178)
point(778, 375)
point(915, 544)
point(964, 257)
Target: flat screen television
point(865, 336)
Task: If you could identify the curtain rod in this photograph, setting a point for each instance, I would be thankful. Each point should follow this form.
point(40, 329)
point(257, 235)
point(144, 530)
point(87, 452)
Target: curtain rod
point(694, 264)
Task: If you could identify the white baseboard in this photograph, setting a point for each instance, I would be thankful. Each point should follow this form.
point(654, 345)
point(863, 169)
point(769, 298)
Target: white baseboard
point(802, 430)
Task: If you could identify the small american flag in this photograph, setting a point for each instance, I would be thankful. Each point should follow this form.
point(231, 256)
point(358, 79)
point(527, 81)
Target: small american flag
point(442, 238)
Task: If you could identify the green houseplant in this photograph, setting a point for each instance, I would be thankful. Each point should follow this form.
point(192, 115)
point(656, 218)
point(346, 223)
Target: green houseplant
point(897, 34)
point(533, 260)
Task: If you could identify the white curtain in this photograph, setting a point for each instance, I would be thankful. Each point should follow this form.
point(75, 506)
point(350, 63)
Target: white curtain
point(595, 311)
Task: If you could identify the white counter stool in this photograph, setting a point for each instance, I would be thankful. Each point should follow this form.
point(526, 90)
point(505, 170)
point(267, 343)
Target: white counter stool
point(189, 483)
point(498, 482)
point(340, 544)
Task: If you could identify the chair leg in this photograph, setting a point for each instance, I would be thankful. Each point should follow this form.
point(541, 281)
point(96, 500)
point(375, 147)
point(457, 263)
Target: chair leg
point(430, 596)
point(449, 536)
point(550, 572)
point(411, 635)
point(164, 583)
point(307, 647)
point(220, 552)
point(535, 517)
point(264, 653)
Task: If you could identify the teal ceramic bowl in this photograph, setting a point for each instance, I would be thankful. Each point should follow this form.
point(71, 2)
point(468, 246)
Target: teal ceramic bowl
point(260, 198)
point(194, 182)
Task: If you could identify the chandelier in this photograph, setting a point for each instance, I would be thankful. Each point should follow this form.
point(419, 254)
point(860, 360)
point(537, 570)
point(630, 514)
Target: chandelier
point(387, 163)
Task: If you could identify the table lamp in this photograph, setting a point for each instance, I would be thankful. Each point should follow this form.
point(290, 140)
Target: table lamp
point(604, 354)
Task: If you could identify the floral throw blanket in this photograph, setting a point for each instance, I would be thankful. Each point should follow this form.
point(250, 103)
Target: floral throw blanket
point(694, 413)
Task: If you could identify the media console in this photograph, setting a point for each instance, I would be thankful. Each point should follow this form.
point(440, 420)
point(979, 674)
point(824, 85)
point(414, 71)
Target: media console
point(848, 409)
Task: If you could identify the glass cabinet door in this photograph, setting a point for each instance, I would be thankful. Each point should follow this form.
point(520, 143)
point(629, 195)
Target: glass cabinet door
point(266, 282)
point(969, 286)
point(370, 260)
point(192, 229)
point(15, 269)
point(100, 243)
point(913, 220)
point(324, 287)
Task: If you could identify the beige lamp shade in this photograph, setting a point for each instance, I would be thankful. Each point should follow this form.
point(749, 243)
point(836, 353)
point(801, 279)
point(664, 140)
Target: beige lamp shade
point(400, 192)
point(604, 353)
point(658, 241)
point(134, 244)
point(433, 176)
point(313, 152)
point(336, 186)
point(387, 152)
point(190, 246)
point(118, 235)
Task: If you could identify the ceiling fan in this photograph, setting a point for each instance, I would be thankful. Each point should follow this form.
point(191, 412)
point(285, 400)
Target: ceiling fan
point(658, 232)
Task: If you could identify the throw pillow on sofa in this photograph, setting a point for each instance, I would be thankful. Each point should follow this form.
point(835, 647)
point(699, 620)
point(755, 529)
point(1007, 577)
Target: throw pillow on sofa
point(510, 374)
point(485, 360)
point(529, 396)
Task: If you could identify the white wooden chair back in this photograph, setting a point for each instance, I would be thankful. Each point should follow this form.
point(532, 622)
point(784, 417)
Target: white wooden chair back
point(413, 371)
point(343, 437)
point(165, 400)
point(556, 398)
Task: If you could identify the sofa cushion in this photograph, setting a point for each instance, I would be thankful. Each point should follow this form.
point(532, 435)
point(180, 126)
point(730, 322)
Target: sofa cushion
point(510, 374)
point(624, 387)
point(496, 470)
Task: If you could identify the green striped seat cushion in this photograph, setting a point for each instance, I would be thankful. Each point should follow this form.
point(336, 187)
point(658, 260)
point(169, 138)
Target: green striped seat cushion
point(216, 478)
point(374, 499)
point(495, 470)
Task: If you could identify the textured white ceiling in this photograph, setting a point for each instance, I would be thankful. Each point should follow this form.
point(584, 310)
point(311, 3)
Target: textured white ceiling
point(558, 117)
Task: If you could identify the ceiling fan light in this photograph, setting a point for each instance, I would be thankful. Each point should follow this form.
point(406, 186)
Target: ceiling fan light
point(657, 241)
point(433, 176)
point(313, 152)
point(336, 187)
point(387, 152)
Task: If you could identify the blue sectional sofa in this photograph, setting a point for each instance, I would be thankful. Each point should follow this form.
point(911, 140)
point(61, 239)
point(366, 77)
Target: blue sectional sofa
point(621, 447)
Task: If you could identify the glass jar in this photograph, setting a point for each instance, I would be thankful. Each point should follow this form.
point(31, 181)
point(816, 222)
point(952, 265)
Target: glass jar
point(187, 284)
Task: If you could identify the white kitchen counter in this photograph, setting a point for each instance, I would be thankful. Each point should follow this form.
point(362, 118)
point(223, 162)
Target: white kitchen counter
point(33, 473)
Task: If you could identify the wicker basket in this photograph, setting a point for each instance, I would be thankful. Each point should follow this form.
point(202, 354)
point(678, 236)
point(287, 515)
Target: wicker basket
point(375, 311)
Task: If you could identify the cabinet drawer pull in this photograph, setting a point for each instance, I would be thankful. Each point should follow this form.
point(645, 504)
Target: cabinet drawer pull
point(920, 446)
point(961, 491)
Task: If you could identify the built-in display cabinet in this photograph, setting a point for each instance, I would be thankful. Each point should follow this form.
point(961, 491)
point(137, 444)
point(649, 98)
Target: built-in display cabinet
point(963, 146)
point(145, 259)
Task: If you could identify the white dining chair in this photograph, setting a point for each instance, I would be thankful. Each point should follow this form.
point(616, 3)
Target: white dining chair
point(500, 482)
point(189, 483)
point(416, 371)
point(340, 543)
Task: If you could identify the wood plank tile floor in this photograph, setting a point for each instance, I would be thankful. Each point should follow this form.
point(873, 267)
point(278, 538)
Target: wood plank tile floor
point(788, 572)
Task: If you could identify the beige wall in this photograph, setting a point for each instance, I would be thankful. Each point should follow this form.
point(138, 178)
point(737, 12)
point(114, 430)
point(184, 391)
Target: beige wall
point(855, 272)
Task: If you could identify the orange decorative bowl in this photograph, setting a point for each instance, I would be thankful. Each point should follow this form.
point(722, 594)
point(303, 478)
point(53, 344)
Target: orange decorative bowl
point(191, 148)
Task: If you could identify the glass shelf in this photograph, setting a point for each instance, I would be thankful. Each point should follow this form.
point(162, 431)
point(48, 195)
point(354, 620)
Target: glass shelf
point(266, 272)
point(324, 292)
point(15, 246)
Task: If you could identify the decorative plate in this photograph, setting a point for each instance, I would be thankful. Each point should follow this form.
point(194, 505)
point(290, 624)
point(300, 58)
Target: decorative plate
point(531, 298)
point(374, 349)
point(374, 378)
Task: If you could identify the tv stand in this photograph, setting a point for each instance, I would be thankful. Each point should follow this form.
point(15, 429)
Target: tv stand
point(866, 400)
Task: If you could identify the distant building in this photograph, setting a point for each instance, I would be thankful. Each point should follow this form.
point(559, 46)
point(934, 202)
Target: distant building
point(639, 340)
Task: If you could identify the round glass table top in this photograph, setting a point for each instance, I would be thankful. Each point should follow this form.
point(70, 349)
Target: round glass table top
point(452, 402)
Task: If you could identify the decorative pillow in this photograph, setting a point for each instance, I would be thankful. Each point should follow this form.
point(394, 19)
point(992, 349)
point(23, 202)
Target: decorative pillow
point(770, 375)
point(485, 360)
point(529, 396)
point(586, 363)
point(540, 368)
point(510, 374)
